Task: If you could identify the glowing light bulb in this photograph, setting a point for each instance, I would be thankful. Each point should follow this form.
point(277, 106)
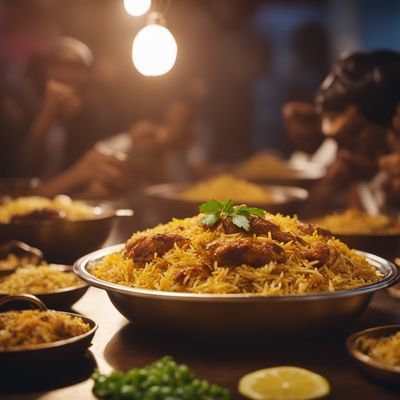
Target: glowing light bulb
point(136, 8)
point(154, 49)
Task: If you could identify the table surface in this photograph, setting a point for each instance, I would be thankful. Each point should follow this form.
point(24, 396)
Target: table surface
point(120, 345)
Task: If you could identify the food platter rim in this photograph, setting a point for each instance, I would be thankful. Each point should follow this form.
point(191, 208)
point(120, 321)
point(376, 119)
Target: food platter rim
point(80, 268)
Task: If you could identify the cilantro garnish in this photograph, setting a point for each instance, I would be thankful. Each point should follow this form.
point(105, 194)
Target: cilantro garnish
point(240, 215)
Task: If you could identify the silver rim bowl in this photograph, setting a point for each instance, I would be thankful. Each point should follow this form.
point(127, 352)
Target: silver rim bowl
point(237, 315)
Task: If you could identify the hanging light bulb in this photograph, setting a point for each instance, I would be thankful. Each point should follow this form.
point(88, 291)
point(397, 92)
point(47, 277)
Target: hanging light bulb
point(154, 48)
point(136, 8)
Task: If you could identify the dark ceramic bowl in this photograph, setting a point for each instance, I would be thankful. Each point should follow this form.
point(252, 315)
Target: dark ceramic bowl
point(48, 354)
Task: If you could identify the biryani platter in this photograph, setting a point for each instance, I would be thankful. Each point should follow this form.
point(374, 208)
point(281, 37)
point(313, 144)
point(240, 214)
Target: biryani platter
point(229, 249)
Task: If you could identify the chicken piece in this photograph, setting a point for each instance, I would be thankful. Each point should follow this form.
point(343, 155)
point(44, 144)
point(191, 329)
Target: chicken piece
point(43, 214)
point(318, 252)
point(238, 251)
point(193, 272)
point(142, 249)
point(309, 229)
point(261, 226)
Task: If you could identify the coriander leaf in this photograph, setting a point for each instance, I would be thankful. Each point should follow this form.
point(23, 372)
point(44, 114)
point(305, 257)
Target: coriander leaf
point(228, 207)
point(211, 206)
point(241, 221)
point(210, 219)
point(253, 211)
point(242, 212)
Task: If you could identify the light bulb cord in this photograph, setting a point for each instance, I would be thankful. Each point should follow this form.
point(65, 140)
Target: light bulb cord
point(162, 10)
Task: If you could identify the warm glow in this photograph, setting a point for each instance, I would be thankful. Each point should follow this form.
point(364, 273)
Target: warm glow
point(154, 50)
point(136, 8)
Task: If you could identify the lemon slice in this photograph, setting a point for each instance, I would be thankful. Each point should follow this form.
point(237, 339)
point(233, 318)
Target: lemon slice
point(283, 383)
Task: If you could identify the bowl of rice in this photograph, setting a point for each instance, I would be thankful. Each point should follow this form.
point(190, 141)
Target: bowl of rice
point(42, 337)
point(378, 234)
point(269, 168)
point(181, 199)
point(56, 285)
point(15, 254)
point(377, 352)
point(64, 229)
point(282, 277)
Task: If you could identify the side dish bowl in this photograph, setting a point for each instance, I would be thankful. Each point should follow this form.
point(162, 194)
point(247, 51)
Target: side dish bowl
point(382, 372)
point(237, 315)
point(47, 354)
point(64, 241)
point(60, 299)
point(167, 201)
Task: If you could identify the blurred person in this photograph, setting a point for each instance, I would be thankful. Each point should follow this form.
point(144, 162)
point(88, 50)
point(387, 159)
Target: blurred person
point(302, 126)
point(308, 59)
point(26, 31)
point(390, 165)
point(310, 49)
point(67, 118)
point(234, 57)
point(356, 103)
point(121, 164)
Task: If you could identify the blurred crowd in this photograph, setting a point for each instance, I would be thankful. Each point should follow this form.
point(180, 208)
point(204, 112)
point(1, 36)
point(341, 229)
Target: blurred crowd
point(74, 112)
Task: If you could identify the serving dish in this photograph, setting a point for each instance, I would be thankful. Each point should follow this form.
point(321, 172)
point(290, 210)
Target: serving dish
point(276, 171)
point(64, 241)
point(382, 372)
point(47, 354)
point(166, 200)
point(22, 253)
point(60, 299)
point(235, 315)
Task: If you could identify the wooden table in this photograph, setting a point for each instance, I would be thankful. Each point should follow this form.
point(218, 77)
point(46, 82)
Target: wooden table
point(118, 344)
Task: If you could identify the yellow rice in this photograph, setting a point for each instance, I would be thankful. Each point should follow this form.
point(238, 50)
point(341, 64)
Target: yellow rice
point(73, 209)
point(29, 328)
point(12, 262)
point(353, 221)
point(264, 165)
point(295, 276)
point(38, 280)
point(227, 187)
point(385, 350)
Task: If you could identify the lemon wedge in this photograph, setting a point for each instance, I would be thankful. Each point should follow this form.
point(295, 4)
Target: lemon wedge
point(283, 383)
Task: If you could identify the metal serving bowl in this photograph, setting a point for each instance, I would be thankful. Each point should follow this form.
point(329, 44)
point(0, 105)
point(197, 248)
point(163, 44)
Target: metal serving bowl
point(236, 315)
point(47, 354)
point(60, 299)
point(166, 201)
point(385, 373)
point(304, 175)
point(64, 241)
